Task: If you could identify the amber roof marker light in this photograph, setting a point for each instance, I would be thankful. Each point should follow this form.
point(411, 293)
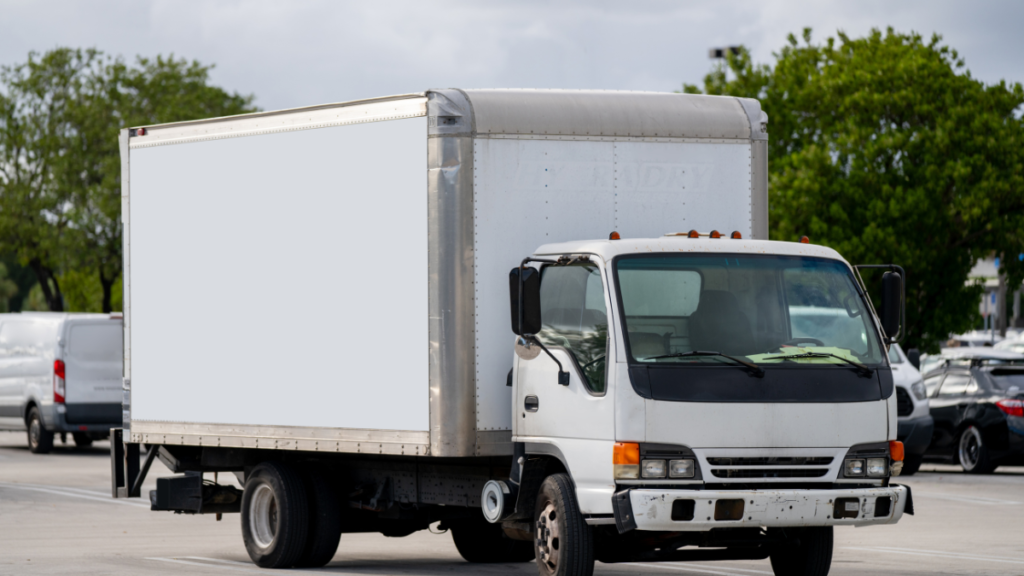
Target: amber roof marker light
point(736, 235)
point(805, 240)
point(693, 234)
point(715, 234)
point(614, 236)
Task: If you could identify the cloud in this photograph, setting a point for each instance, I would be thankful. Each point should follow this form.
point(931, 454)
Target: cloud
point(306, 52)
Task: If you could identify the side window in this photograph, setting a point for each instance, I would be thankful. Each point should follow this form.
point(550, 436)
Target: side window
point(931, 385)
point(955, 385)
point(573, 316)
point(894, 356)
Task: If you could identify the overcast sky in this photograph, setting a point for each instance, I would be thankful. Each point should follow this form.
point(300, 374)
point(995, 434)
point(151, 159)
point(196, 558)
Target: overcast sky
point(294, 53)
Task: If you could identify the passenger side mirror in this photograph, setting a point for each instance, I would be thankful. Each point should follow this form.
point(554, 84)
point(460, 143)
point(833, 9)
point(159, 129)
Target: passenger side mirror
point(892, 296)
point(914, 357)
point(529, 321)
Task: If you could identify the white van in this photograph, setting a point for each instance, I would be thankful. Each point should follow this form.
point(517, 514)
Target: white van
point(914, 420)
point(60, 373)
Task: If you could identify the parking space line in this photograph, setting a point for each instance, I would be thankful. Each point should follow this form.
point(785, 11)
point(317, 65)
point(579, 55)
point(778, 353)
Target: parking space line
point(688, 565)
point(686, 568)
point(967, 499)
point(936, 553)
point(206, 565)
point(61, 491)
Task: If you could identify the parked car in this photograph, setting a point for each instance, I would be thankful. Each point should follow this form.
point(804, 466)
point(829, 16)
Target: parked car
point(1013, 344)
point(914, 419)
point(60, 373)
point(976, 403)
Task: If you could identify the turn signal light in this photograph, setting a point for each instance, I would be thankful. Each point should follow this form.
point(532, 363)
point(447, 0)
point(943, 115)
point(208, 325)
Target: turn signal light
point(805, 240)
point(715, 234)
point(626, 460)
point(58, 381)
point(693, 234)
point(1012, 407)
point(737, 236)
point(896, 450)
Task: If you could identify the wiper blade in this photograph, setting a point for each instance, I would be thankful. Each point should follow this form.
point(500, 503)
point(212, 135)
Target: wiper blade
point(860, 367)
point(754, 368)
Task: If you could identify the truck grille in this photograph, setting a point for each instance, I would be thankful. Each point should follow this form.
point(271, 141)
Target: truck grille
point(772, 461)
point(904, 405)
point(769, 472)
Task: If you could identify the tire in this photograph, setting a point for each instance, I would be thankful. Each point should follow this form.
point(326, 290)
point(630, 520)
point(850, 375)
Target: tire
point(811, 557)
point(40, 440)
point(324, 521)
point(481, 542)
point(82, 440)
point(972, 453)
point(911, 464)
point(275, 515)
point(563, 543)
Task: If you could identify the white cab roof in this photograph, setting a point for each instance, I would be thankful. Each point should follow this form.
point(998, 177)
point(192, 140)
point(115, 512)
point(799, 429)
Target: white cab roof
point(608, 249)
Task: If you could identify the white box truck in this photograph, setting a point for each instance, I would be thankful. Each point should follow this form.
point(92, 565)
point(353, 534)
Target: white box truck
point(319, 300)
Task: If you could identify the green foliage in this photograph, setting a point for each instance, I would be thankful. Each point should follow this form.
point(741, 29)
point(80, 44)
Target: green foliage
point(60, 189)
point(8, 289)
point(886, 149)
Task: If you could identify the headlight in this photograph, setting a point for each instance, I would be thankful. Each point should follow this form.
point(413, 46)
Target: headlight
point(877, 466)
point(653, 469)
point(680, 468)
point(918, 389)
point(854, 468)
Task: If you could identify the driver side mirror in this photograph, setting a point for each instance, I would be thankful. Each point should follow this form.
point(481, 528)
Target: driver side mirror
point(892, 303)
point(529, 321)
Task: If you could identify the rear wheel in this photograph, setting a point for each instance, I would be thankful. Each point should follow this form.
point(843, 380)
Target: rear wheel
point(40, 440)
point(811, 556)
point(324, 521)
point(82, 440)
point(563, 541)
point(972, 453)
point(275, 516)
point(481, 542)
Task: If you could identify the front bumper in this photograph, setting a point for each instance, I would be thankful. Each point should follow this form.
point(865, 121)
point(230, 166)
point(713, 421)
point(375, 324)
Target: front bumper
point(915, 434)
point(651, 509)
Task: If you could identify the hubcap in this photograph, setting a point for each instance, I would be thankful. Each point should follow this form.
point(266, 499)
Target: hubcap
point(547, 536)
point(263, 516)
point(970, 448)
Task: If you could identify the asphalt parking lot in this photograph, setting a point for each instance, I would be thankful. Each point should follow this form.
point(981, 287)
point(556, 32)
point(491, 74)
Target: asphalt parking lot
point(57, 517)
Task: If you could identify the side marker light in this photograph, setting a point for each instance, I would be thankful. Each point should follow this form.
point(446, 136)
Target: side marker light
point(737, 236)
point(805, 240)
point(693, 234)
point(614, 236)
point(715, 234)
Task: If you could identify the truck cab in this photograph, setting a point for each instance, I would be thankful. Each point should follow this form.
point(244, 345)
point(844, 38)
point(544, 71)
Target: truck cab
point(724, 393)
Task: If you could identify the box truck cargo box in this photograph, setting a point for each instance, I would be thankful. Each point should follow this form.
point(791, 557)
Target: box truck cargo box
point(334, 278)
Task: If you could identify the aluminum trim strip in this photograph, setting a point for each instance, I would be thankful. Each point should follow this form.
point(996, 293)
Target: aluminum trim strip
point(348, 440)
point(308, 118)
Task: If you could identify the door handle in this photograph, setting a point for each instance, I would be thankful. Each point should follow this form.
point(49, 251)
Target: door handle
point(531, 404)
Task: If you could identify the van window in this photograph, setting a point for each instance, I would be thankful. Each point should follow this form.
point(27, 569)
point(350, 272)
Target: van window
point(95, 342)
point(20, 338)
point(573, 316)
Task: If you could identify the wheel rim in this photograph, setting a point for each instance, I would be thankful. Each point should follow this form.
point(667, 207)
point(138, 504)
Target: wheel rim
point(33, 433)
point(970, 448)
point(548, 537)
point(263, 516)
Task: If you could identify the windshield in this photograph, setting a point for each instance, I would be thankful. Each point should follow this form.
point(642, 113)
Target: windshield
point(764, 309)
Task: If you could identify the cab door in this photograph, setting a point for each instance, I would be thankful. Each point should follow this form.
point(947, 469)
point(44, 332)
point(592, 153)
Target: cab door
point(574, 422)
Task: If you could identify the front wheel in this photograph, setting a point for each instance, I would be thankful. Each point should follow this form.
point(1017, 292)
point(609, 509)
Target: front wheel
point(973, 454)
point(811, 555)
point(563, 542)
point(275, 516)
point(40, 440)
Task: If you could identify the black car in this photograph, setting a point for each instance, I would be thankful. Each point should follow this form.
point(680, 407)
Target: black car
point(976, 403)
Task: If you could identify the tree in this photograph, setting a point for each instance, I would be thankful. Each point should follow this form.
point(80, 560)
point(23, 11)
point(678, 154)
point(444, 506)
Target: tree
point(62, 113)
point(886, 149)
